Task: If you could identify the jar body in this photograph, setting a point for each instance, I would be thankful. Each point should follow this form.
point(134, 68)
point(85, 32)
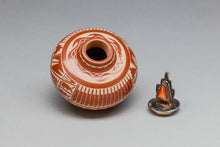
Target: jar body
point(93, 69)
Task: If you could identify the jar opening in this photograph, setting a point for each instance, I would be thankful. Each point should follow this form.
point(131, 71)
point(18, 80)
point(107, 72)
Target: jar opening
point(96, 53)
point(97, 50)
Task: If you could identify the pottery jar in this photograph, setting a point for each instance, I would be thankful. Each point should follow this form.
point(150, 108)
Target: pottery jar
point(93, 69)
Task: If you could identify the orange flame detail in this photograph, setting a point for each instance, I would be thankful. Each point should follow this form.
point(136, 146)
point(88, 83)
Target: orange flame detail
point(162, 94)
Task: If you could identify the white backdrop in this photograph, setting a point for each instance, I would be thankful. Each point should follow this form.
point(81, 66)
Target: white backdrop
point(181, 37)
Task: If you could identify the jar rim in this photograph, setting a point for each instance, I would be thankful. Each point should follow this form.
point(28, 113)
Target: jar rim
point(99, 43)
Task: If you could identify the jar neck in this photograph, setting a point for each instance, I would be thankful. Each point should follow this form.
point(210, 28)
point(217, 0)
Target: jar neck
point(97, 54)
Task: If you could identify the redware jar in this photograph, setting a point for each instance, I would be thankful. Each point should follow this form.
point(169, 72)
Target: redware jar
point(93, 69)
